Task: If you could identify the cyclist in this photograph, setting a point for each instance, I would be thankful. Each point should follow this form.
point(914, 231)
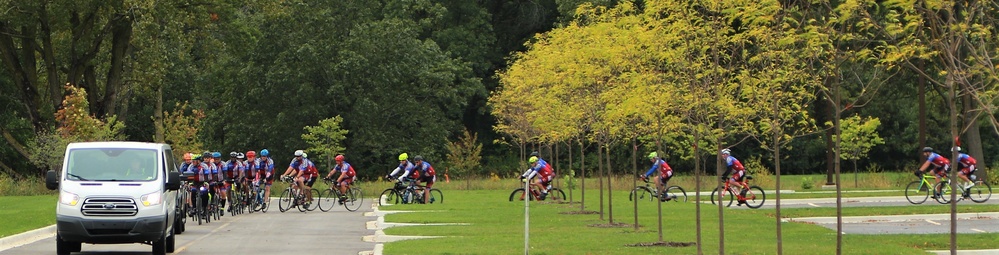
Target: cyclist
point(543, 170)
point(312, 171)
point(738, 172)
point(940, 166)
point(231, 168)
point(665, 173)
point(966, 163)
point(188, 160)
point(202, 176)
point(250, 169)
point(405, 167)
point(218, 186)
point(427, 174)
point(299, 169)
point(265, 171)
point(347, 176)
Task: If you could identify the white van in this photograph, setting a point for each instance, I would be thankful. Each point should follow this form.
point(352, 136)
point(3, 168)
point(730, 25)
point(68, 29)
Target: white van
point(116, 192)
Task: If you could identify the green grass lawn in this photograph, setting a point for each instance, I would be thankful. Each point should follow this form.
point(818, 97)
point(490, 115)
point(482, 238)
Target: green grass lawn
point(497, 227)
point(23, 213)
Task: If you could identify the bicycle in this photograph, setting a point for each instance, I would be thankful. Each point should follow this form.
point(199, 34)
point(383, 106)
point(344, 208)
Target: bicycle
point(918, 191)
point(555, 194)
point(676, 193)
point(979, 193)
point(405, 194)
point(754, 198)
point(235, 198)
point(332, 196)
point(292, 197)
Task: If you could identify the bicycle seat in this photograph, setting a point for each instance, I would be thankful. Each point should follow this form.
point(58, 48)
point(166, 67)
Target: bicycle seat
point(749, 177)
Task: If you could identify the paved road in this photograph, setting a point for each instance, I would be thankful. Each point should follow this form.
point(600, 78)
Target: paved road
point(862, 202)
point(335, 232)
point(911, 224)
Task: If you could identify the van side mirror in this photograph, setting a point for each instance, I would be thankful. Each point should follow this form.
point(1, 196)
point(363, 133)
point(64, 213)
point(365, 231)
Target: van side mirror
point(173, 181)
point(51, 180)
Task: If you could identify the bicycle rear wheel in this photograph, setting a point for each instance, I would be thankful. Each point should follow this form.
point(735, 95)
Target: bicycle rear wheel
point(354, 199)
point(916, 192)
point(517, 194)
point(286, 200)
point(312, 205)
point(755, 197)
point(435, 196)
point(677, 193)
point(641, 193)
point(389, 197)
point(198, 209)
point(327, 200)
point(728, 193)
point(981, 192)
point(556, 195)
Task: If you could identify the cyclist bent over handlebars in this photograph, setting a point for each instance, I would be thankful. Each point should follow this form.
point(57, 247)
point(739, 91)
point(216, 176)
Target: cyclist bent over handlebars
point(738, 172)
point(544, 172)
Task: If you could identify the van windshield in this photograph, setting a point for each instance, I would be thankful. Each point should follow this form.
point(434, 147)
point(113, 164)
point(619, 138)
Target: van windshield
point(112, 164)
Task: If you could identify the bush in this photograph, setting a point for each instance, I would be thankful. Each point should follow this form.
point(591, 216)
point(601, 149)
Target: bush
point(26, 186)
point(762, 176)
point(807, 183)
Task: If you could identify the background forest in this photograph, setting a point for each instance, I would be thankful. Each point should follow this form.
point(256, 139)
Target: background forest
point(427, 76)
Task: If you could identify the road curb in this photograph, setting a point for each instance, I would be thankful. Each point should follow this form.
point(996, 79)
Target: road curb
point(27, 237)
point(968, 252)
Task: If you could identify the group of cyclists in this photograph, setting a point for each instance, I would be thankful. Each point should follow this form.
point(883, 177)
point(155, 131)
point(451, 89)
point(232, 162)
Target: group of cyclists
point(416, 171)
point(732, 167)
point(939, 166)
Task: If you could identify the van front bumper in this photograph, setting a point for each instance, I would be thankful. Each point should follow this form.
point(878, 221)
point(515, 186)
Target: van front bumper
point(111, 231)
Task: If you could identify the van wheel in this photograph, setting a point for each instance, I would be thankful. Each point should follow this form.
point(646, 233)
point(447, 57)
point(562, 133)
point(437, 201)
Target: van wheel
point(64, 247)
point(159, 246)
point(170, 244)
point(178, 227)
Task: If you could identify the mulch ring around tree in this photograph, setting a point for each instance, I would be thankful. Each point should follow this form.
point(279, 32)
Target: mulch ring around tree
point(663, 244)
point(579, 212)
point(610, 225)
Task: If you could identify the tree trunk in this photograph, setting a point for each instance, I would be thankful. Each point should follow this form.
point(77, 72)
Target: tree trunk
point(121, 35)
point(582, 178)
point(952, 104)
point(719, 170)
point(634, 181)
point(600, 175)
point(569, 146)
point(557, 168)
point(158, 115)
point(921, 101)
point(21, 68)
point(829, 113)
point(777, 135)
point(973, 137)
point(839, 194)
point(610, 191)
point(697, 192)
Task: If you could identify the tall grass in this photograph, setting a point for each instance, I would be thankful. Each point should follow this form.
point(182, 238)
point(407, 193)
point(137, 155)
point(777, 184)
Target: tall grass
point(25, 186)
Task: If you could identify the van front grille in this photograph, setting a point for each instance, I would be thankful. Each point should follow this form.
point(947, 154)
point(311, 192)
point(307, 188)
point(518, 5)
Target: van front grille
point(109, 207)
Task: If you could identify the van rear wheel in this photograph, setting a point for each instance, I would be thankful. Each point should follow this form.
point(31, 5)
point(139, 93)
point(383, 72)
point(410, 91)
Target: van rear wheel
point(160, 246)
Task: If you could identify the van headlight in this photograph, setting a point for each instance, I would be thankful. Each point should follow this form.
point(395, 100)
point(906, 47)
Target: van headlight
point(67, 198)
point(151, 199)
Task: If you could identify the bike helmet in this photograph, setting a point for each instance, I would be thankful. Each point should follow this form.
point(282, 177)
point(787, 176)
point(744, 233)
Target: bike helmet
point(403, 156)
point(305, 155)
point(532, 160)
point(418, 158)
point(535, 154)
point(216, 154)
point(265, 153)
point(927, 149)
point(339, 158)
point(197, 157)
point(251, 154)
point(726, 151)
point(653, 155)
point(957, 148)
point(233, 154)
point(299, 153)
point(206, 155)
point(240, 155)
point(187, 156)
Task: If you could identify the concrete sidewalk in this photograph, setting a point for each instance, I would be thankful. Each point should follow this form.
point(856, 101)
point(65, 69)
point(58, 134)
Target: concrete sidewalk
point(895, 218)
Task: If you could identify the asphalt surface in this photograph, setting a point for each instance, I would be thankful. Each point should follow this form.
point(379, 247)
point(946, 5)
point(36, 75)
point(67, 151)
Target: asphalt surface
point(861, 202)
point(335, 232)
point(971, 223)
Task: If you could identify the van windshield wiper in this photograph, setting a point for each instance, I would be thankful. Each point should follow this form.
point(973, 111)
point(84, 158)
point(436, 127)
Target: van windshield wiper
point(77, 177)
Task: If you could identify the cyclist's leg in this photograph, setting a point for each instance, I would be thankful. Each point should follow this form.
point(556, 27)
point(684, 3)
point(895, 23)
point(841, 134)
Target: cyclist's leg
point(308, 188)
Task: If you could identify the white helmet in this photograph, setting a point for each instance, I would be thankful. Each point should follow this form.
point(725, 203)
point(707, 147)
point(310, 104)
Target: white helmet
point(726, 151)
point(299, 153)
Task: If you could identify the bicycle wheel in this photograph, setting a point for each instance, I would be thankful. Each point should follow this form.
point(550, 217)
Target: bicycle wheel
point(517, 194)
point(389, 197)
point(265, 201)
point(217, 207)
point(327, 199)
point(312, 205)
point(556, 195)
point(436, 196)
point(286, 200)
point(755, 197)
point(945, 189)
point(916, 192)
point(677, 193)
point(354, 199)
point(300, 201)
point(642, 193)
point(981, 192)
point(198, 209)
point(728, 193)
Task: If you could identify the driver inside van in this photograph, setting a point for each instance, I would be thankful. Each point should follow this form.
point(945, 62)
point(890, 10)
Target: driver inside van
point(136, 171)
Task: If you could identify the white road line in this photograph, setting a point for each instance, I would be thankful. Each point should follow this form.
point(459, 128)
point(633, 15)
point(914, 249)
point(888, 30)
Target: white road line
point(978, 230)
point(933, 222)
point(814, 205)
point(182, 248)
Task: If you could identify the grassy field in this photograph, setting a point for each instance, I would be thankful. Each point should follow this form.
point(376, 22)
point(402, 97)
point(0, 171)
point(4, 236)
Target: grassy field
point(497, 227)
point(23, 213)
